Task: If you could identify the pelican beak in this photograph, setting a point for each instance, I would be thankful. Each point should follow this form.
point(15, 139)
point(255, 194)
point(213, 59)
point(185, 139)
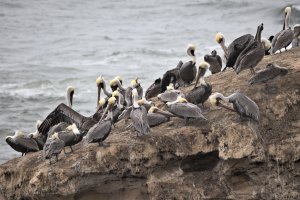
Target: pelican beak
point(198, 78)
point(165, 113)
point(71, 97)
point(106, 110)
point(224, 106)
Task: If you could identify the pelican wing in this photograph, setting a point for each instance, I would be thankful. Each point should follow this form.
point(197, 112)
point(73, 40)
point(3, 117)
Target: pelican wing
point(28, 143)
point(155, 119)
point(67, 136)
point(186, 110)
point(62, 113)
point(139, 120)
point(99, 131)
point(267, 74)
point(245, 106)
point(154, 89)
point(282, 39)
point(53, 147)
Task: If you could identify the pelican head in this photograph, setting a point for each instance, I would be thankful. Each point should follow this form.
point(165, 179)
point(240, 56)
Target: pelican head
point(102, 102)
point(191, 49)
point(143, 101)
point(287, 10)
point(214, 53)
point(215, 98)
point(219, 38)
point(112, 101)
point(115, 93)
point(267, 44)
point(153, 109)
point(134, 83)
point(99, 81)
point(170, 86)
point(119, 78)
point(55, 136)
point(73, 128)
point(113, 84)
point(204, 65)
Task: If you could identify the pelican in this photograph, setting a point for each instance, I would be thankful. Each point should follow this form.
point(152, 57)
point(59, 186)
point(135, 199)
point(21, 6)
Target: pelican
point(172, 76)
point(53, 147)
point(156, 116)
point(201, 93)
point(182, 108)
point(214, 61)
point(284, 38)
point(22, 143)
point(100, 131)
point(142, 102)
point(232, 52)
point(243, 105)
point(138, 116)
point(39, 138)
point(188, 70)
point(270, 72)
point(252, 54)
point(70, 136)
point(296, 40)
point(100, 109)
point(153, 89)
point(267, 44)
point(170, 94)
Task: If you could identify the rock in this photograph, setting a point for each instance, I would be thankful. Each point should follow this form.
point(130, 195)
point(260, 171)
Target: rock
point(214, 159)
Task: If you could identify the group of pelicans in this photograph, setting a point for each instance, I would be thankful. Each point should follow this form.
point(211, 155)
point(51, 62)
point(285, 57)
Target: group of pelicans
point(65, 127)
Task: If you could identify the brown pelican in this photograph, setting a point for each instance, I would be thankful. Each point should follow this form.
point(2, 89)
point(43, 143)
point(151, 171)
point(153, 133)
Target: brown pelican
point(170, 94)
point(201, 93)
point(214, 61)
point(53, 147)
point(39, 138)
point(22, 143)
point(156, 116)
point(267, 44)
point(138, 116)
point(252, 54)
point(128, 92)
point(232, 52)
point(243, 105)
point(188, 70)
point(296, 40)
point(172, 76)
point(270, 72)
point(70, 136)
point(284, 38)
point(100, 131)
point(153, 89)
point(182, 108)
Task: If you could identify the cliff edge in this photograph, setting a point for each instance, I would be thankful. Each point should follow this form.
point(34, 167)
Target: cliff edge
point(214, 159)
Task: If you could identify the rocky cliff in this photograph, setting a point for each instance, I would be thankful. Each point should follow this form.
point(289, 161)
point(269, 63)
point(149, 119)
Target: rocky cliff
point(214, 159)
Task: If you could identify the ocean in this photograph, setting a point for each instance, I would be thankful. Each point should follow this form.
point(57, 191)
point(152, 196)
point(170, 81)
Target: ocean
point(46, 46)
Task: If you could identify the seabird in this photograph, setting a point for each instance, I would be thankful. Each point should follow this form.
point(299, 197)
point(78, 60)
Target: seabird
point(232, 52)
point(100, 131)
point(270, 72)
point(284, 38)
point(172, 76)
point(154, 89)
point(201, 93)
point(156, 116)
point(188, 69)
point(183, 109)
point(53, 147)
point(102, 84)
point(138, 116)
point(243, 105)
point(252, 54)
point(22, 143)
point(214, 61)
point(170, 94)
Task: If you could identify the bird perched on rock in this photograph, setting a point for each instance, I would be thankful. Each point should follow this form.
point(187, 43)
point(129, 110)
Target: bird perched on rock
point(214, 61)
point(243, 105)
point(53, 147)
